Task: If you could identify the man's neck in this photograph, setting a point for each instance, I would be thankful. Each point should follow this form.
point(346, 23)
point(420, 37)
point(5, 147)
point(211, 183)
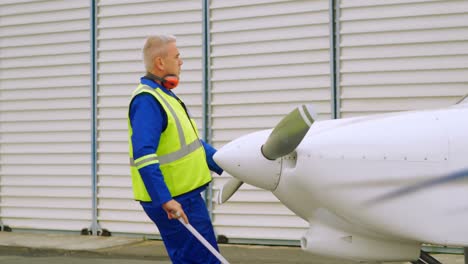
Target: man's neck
point(155, 77)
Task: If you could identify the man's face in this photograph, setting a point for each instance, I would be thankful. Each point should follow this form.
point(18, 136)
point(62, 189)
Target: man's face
point(172, 62)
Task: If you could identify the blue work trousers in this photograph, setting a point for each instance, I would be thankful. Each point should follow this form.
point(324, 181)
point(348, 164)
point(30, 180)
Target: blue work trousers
point(181, 245)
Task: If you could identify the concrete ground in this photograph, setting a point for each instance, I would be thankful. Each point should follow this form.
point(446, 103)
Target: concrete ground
point(43, 248)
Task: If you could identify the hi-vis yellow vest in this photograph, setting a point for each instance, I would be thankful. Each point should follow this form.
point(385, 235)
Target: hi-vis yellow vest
point(180, 153)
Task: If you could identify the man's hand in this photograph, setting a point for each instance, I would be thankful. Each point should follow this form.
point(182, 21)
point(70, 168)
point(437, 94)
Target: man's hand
point(174, 210)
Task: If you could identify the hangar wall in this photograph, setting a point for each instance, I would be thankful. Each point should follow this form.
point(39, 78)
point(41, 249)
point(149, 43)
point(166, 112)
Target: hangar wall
point(63, 132)
point(45, 129)
point(267, 57)
point(402, 55)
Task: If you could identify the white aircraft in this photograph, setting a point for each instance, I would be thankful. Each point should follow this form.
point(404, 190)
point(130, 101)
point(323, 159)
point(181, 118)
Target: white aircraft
point(372, 188)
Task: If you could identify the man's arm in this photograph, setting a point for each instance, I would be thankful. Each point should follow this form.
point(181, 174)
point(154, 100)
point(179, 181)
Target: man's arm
point(147, 124)
point(210, 151)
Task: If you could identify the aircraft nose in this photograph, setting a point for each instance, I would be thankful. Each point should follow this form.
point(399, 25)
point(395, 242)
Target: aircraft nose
point(243, 159)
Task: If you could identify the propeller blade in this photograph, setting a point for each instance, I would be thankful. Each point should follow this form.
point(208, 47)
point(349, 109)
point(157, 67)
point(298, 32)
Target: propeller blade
point(228, 190)
point(289, 132)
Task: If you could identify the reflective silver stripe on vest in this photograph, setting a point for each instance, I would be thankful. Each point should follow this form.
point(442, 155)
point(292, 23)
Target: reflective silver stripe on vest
point(144, 161)
point(164, 159)
point(178, 125)
point(182, 152)
point(184, 148)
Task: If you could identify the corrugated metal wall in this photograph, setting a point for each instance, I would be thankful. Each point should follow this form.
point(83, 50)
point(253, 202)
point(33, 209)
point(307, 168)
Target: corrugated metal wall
point(122, 29)
point(267, 57)
point(402, 55)
point(45, 115)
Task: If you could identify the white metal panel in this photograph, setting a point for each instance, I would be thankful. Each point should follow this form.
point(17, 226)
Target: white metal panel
point(122, 29)
point(45, 114)
point(402, 55)
point(267, 57)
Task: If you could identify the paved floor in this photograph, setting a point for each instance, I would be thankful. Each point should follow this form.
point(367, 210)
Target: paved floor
point(40, 248)
point(73, 260)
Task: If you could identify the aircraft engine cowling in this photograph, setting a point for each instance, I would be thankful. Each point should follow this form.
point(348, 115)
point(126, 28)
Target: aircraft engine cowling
point(327, 241)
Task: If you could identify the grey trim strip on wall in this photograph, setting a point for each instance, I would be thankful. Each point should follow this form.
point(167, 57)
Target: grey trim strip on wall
point(2, 226)
point(95, 228)
point(337, 59)
point(334, 59)
point(206, 72)
point(206, 64)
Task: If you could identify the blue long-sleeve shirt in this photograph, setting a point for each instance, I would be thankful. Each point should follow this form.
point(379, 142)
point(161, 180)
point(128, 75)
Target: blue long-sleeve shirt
point(149, 120)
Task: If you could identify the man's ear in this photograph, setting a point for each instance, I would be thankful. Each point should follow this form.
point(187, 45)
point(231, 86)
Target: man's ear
point(159, 63)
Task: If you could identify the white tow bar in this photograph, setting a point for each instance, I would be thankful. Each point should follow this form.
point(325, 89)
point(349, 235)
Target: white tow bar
point(204, 242)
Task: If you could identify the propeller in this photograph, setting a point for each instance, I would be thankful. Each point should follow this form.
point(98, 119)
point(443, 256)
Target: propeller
point(283, 139)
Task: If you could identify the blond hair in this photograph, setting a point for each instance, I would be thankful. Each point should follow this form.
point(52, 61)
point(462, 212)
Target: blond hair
point(155, 46)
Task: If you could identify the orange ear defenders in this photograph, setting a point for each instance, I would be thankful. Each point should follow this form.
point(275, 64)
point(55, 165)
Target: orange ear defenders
point(169, 81)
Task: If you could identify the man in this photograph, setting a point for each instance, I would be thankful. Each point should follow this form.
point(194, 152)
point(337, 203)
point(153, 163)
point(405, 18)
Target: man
point(170, 165)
